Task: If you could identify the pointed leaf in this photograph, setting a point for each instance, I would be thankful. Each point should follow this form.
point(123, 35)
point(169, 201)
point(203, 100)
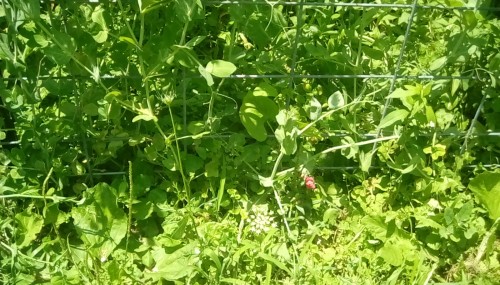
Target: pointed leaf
point(393, 117)
point(220, 68)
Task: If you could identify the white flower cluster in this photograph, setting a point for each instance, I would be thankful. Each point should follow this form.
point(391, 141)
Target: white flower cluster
point(261, 220)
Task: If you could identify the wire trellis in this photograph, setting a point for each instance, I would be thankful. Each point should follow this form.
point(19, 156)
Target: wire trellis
point(292, 75)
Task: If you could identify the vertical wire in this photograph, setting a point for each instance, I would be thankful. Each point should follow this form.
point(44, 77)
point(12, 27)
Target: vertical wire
point(398, 66)
point(300, 7)
point(473, 123)
point(476, 115)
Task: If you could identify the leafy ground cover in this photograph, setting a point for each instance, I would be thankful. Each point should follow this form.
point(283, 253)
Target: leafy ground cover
point(196, 142)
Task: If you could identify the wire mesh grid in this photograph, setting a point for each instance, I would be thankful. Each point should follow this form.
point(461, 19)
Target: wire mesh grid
point(292, 76)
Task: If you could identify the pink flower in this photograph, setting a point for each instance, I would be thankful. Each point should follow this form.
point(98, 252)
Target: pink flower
point(309, 181)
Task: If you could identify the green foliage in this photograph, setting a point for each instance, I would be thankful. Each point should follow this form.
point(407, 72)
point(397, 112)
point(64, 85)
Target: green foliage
point(182, 142)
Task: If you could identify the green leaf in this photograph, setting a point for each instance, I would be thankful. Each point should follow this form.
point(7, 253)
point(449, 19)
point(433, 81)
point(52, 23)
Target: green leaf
point(101, 37)
point(393, 117)
point(438, 63)
point(486, 187)
point(392, 254)
point(192, 163)
point(91, 109)
point(196, 127)
point(5, 52)
point(145, 115)
point(265, 89)
point(185, 10)
point(184, 56)
point(274, 261)
point(255, 112)
point(403, 93)
point(100, 223)
point(149, 5)
point(396, 251)
point(98, 18)
point(365, 160)
point(206, 75)
point(212, 168)
point(29, 225)
point(30, 8)
point(175, 265)
point(220, 68)
point(314, 109)
point(62, 48)
point(336, 100)
point(436, 151)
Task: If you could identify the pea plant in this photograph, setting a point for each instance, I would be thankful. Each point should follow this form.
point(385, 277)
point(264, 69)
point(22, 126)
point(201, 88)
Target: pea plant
point(251, 142)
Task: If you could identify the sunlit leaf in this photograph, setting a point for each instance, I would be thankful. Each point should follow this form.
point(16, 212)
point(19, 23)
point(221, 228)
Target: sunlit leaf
point(220, 68)
point(393, 117)
point(486, 187)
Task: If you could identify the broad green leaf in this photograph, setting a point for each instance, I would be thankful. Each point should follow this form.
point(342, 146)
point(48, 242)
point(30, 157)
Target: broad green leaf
point(438, 63)
point(101, 36)
point(255, 112)
point(192, 163)
point(220, 68)
point(212, 168)
point(336, 100)
point(265, 89)
point(196, 127)
point(91, 109)
point(393, 117)
point(376, 226)
point(62, 48)
point(98, 18)
point(29, 225)
point(486, 187)
point(100, 222)
point(365, 160)
point(175, 265)
point(397, 250)
point(392, 254)
point(402, 93)
point(253, 120)
point(287, 139)
point(314, 109)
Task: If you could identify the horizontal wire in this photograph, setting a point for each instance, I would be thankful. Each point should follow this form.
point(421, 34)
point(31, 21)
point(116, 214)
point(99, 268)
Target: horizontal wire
point(346, 4)
point(259, 76)
point(324, 168)
point(312, 3)
point(341, 135)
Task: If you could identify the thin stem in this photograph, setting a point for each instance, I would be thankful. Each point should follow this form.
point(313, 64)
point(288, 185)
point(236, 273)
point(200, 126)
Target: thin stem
point(178, 156)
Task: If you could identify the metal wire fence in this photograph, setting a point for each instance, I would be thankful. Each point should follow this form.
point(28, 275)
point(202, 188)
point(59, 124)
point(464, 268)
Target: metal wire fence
point(292, 76)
